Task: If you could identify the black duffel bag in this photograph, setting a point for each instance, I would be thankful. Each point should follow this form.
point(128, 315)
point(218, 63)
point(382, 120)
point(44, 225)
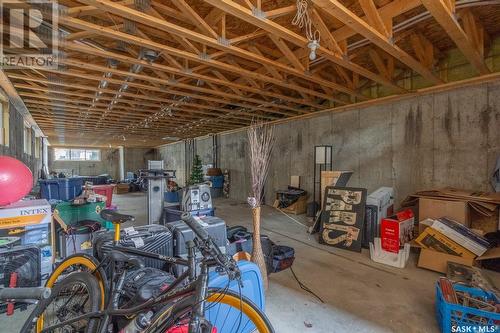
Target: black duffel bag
point(283, 257)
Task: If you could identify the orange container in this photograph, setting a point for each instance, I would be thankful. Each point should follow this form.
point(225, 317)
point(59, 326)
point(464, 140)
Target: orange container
point(106, 190)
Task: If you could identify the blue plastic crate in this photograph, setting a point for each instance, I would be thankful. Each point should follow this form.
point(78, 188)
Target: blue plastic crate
point(456, 315)
point(217, 181)
point(64, 189)
point(252, 289)
point(172, 197)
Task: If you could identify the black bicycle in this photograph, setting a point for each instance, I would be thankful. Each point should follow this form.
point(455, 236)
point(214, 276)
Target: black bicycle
point(107, 305)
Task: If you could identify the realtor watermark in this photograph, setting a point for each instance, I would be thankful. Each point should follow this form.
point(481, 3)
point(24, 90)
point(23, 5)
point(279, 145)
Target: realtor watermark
point(29, 34)
point(475, 328)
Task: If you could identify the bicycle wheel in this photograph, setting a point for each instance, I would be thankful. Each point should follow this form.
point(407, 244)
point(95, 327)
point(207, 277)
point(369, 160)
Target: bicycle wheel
point(228, 311)
point(80, 263)
point(75, 295)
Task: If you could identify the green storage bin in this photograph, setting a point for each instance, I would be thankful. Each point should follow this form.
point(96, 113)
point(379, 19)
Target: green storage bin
point(91, 211)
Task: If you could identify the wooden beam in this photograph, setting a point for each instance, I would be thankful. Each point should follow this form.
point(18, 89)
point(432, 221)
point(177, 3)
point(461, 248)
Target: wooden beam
point(196, 19)
point(379, 63)
point(423, 49)
point(109, 33)
point(325, 34)
point(443, 15)
point(142, 97)
point(339, 11)
point(173, 29)
point(474, 30)
point(278, 12)
point(245, 14)
point(374, 17)
point(387, 12)
point(180, 72)
point(87, 34)
point(287, 52)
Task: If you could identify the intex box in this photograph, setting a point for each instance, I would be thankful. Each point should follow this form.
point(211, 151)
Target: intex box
point(25, 213)
point(397, 230)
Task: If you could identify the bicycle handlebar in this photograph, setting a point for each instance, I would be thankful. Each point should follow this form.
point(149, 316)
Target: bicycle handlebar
point(203, 235)
point(24, 293)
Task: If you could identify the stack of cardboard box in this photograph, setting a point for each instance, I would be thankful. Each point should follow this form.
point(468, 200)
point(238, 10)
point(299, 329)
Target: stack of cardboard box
point(451, 224)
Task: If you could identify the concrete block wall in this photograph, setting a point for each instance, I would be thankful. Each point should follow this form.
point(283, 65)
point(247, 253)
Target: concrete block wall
point(448, 138)
point(16, 144)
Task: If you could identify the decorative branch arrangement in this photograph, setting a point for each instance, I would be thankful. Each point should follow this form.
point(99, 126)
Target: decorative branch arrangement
point(261, 140)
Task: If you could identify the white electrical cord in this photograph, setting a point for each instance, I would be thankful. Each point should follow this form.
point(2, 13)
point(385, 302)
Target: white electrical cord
point(303, 21)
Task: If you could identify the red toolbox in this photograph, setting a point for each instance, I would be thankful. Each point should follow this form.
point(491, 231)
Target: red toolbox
point(106, 190)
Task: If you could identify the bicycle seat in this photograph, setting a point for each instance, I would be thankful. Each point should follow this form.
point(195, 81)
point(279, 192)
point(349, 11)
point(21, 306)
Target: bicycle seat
point(115, 217)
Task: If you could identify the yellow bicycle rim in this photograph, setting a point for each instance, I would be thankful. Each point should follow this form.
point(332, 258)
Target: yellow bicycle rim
point(76, 260)
point(246, 309)
point(236, 303)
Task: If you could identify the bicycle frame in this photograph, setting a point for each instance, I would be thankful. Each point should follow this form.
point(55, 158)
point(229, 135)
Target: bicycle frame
point(196, 285)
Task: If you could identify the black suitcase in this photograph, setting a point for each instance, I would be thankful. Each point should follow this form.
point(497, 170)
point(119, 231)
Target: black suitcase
point(152, 238)
point(370, 229)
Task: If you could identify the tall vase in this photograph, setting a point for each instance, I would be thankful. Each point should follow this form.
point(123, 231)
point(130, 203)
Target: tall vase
point(257, 254)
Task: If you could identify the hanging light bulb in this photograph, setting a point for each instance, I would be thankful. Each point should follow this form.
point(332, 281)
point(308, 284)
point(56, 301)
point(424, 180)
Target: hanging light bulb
point(313, 46)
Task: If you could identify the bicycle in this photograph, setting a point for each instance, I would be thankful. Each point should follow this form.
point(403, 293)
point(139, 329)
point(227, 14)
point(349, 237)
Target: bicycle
point(175, 305)
point(76, 294)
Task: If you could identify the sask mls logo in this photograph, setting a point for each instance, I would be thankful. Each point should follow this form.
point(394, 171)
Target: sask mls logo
point(29, 34)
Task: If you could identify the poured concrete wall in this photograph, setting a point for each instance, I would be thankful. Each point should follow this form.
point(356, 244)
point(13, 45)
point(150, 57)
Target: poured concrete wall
point(175, 159)
point(441, 139)
point(137, 158)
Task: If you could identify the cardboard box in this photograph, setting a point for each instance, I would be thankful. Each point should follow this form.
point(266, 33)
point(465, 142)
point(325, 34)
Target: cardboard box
point(121, 188)
point(436, 208)
point(422, 225)
point(487, 223)
point(25, 213)
point(31, 221)
point(433, 239)
point(437, 261)
point(397, 230)
point(298, 207)
point(331, 178)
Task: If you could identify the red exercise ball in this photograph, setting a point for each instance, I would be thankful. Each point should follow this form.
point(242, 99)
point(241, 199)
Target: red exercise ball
point(16, 180)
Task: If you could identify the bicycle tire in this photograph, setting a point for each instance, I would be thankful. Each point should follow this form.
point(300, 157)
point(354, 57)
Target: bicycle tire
point(85, 260)
point(169, 316)
point(94, 296)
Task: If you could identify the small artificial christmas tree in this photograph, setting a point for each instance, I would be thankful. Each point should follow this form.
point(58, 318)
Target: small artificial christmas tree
point(196, 172)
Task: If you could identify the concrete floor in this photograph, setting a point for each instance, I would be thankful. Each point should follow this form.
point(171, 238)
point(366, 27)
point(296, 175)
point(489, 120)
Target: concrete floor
point(359, 295)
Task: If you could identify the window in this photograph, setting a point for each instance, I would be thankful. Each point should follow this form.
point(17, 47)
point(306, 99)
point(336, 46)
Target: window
point(4, 122)
point(38, 147)
point(27, 139)
point(77, 154)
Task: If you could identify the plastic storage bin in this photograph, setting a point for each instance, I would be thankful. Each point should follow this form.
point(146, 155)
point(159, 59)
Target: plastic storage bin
point(252, 289)
point(172, 197)
point(449, 315)
point(217, 181)
point(106, 190)
point(64, 189)
point(72, 214)
point(95, 180)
